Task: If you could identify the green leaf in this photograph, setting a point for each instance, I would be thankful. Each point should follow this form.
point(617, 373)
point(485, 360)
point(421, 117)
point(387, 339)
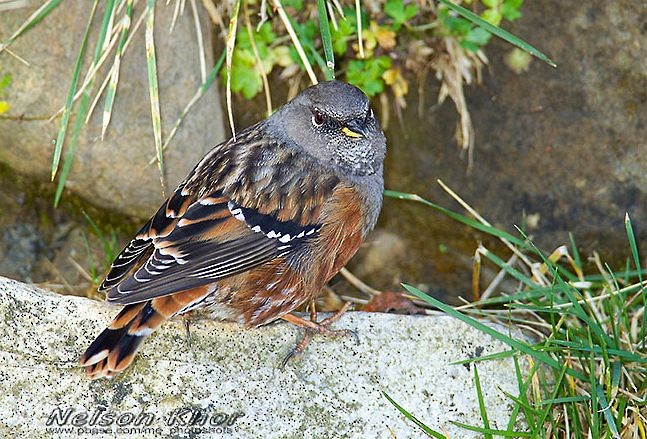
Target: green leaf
point(306, 33)
point(492, 16)
point(245, 78)
point(456, 26)
point(492, 4)
point(428, 431)
point(400, 13)
point(295, 4)
point(308, 30)
point(367, 74)
point(265, 34)
point(478, 36)
point(510, 9)
point(345, 30)
point(5, 81)
point(468, 45)
point(326, 39)
point(507, 36)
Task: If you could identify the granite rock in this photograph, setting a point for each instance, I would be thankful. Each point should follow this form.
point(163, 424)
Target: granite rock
point(231, 377)
point(114, 173)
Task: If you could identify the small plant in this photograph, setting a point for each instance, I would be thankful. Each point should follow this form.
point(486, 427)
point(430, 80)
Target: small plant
point(5, 81)
point(378, 51)
point(370, 47)
point(110, 249)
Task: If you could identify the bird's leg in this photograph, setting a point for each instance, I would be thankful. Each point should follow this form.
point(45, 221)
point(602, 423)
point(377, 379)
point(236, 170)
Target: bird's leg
point(187, 323)
point(313, 310)
point(313, 327)
point(307, 336)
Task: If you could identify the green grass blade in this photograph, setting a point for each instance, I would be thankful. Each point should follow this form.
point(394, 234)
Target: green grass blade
point(153, 88)
point(577, 309)
point(65, 119)
point(326, 39)
point(479, 396)
point(598, 351)
point(428, 431)
point(458, 217)
point(33, 20)
point(519, 403)
point(556, 390)
point(71, 150)
point(488, 432)
point(495, 30)
point(565, 399)
point(522, 402)
point(508, 269)
point(196, 97)
point(632, 243)
point(636, 257)
point(593, 415)
point(318, 59)
point(521, 296)
point(96, 230)
point(616, 373)
point(103, 31)
point(620, 409)
point(514, 343)
point(115, 70)
point(576, 253)
point(541, 308)
point(83, 105)
point(495, 356)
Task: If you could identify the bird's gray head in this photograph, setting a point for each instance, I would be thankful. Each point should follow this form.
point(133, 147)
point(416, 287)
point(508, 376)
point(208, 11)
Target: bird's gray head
point(334, 122)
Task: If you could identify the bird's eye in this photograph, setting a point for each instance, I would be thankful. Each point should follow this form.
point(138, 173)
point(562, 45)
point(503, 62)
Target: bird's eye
point(318, 118)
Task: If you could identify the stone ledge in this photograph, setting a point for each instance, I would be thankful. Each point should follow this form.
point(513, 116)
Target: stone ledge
point(334, 390)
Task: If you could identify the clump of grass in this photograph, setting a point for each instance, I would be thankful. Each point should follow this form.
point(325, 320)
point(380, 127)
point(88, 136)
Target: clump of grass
point(376, 43)
point(588, 373)
point(119, 24)
point(110, 248)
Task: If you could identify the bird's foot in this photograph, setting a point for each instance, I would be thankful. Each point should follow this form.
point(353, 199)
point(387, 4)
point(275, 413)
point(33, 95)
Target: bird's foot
point(313, 327)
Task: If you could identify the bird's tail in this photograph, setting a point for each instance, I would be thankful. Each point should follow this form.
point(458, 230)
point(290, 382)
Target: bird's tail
point(115, 348)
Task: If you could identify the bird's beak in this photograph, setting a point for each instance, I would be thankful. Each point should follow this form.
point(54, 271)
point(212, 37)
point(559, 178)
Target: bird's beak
point(355, 129)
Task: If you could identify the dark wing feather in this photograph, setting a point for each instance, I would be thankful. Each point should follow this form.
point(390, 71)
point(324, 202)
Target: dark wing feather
point(210, 241)
point(141, 246)
point(226, 218)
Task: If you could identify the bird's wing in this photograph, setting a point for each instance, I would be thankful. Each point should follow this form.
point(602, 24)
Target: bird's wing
point(202, 234)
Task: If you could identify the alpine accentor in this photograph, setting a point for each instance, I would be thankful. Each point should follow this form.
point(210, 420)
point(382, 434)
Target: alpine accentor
point(257, 228)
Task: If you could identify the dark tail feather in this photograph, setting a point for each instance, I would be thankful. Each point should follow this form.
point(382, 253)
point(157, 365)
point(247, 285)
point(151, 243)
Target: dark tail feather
point(114, 349)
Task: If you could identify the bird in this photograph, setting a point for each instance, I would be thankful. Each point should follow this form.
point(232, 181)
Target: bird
point(256, 229)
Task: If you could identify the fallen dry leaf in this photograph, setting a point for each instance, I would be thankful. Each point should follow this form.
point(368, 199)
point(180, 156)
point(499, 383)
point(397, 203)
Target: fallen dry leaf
point(392, 302)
